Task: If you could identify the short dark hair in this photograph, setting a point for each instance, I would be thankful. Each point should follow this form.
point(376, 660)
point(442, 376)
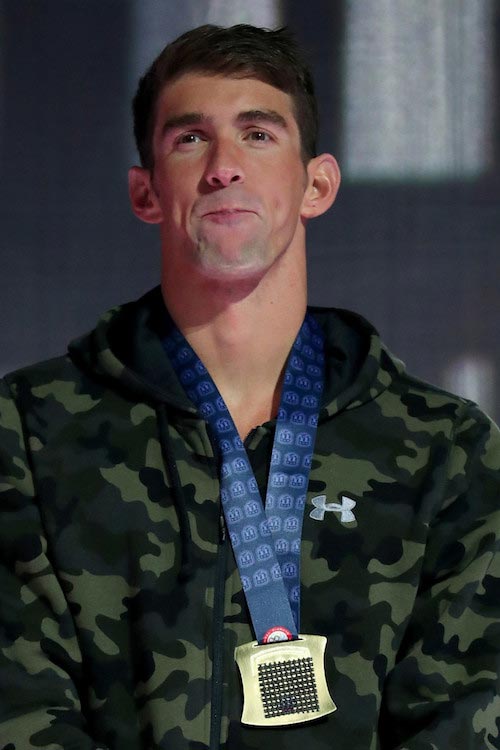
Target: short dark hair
point(242, 51)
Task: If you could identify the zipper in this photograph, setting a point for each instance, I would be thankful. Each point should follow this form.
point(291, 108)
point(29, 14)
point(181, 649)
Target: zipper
point(218, 622)
point(218, 638)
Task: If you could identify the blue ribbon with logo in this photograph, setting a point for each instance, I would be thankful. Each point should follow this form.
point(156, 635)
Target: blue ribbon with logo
point(266, 539)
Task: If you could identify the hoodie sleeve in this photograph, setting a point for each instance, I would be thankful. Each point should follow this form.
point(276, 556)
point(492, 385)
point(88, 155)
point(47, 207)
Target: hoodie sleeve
point(444, 690)
point(40, 662)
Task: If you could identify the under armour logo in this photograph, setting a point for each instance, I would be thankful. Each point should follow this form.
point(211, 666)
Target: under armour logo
point(344, 508)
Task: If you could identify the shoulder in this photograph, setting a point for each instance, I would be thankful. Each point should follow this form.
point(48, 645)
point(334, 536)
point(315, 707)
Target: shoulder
point(58, 375)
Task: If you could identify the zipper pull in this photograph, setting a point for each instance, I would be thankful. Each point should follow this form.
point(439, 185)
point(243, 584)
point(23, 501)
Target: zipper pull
point(222, 528)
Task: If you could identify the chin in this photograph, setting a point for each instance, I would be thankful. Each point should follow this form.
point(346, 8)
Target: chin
point(232, 274)
point(221, 267)
point(233, 257)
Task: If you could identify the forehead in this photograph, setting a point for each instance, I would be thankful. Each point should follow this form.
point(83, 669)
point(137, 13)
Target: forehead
point(219, 96)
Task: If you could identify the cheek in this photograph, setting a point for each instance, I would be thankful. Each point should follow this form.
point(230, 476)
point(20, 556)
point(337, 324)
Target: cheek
point(287, 201)
point(175, 201)
point(173, 221)
point(176, 184)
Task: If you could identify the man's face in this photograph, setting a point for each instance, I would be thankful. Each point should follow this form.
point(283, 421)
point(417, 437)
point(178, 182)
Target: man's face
point(228, 176)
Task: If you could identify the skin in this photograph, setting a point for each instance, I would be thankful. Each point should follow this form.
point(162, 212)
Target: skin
point(232, 197)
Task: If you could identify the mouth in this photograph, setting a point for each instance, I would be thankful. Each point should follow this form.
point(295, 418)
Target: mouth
point(227, 215)
point(227, 212)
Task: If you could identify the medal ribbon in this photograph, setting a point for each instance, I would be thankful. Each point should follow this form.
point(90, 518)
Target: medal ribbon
point(265, 539)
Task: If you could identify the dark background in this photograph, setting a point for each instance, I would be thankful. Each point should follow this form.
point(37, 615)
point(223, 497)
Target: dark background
point(418, 254)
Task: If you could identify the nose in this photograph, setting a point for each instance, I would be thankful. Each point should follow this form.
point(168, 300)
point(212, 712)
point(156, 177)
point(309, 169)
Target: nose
point(224, 167)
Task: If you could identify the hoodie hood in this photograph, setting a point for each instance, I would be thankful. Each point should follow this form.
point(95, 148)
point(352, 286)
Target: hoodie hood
point(126, 347)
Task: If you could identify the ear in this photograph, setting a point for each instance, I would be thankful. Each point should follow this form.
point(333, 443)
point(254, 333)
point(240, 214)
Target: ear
point(143, 198)
point(323, 180)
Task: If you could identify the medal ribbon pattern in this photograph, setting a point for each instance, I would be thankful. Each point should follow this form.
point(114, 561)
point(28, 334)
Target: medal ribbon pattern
point(266, 539)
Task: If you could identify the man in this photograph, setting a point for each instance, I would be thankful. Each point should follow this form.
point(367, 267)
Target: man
point(138, 559)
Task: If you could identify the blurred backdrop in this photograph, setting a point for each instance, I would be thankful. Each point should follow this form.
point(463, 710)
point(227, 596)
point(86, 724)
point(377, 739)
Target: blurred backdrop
point(409, 100)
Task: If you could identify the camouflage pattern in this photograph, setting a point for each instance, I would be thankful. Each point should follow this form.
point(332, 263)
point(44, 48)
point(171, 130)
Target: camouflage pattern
point(111, 638)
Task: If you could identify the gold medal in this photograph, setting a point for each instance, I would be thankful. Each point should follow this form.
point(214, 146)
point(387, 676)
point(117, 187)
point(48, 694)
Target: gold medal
point(284, 682)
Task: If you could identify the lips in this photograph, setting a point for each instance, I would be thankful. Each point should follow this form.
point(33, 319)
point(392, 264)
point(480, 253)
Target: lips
point(227, 215)
point(234, 202)
point(227, 211)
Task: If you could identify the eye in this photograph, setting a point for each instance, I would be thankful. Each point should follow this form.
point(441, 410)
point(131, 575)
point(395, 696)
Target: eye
point(189, 139)
point(259, 136)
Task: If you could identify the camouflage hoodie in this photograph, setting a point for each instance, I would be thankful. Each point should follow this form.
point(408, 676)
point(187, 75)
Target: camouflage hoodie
point(120, 604)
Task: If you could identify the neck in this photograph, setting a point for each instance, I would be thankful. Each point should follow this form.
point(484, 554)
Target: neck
point(243, 333)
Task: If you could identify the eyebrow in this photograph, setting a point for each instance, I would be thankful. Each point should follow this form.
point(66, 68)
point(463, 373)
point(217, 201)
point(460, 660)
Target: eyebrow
point(263, 115)
point(180, 121)
point(251, 115)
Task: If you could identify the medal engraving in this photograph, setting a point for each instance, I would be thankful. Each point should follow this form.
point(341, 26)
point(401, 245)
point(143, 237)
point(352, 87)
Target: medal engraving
point(284, 683)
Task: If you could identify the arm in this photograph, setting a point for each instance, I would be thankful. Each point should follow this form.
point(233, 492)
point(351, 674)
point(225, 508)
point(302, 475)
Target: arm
point(443, 693)
point(40, 662)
